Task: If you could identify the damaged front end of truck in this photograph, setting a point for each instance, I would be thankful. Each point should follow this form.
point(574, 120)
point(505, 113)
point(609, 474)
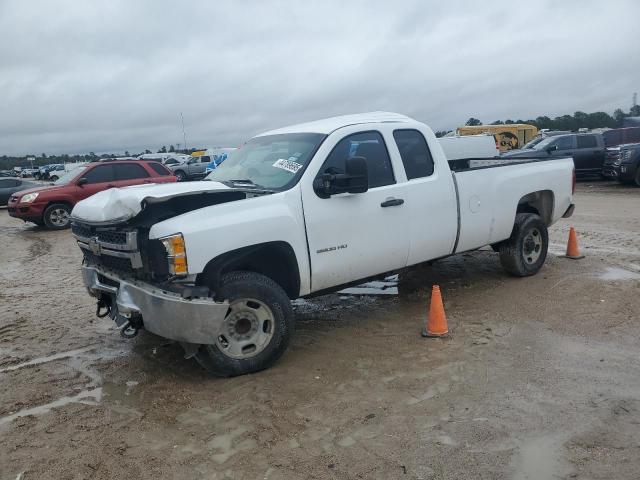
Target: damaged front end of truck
point(143, 283)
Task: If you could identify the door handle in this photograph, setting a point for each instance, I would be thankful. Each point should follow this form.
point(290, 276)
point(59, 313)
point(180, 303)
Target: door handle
point(110, 185)
point(392, 202)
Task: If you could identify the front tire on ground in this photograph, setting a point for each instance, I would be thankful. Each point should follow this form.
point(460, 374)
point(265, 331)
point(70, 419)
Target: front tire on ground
point(56, 216)
point(257, 329)
point(181, 176)
point(524, 253)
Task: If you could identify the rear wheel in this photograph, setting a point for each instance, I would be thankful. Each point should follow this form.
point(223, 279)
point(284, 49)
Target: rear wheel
point(56, 216)
point(637, 181)
point(524, 253)
point(256, 330)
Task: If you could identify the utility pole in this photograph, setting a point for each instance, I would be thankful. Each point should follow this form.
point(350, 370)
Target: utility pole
point(184, 135)
point(635, 100)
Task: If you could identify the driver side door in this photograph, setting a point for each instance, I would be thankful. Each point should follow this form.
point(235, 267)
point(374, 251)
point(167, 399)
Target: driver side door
point(352, 236)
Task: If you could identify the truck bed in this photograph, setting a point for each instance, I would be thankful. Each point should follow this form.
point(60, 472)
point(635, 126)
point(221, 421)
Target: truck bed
point(488, 202)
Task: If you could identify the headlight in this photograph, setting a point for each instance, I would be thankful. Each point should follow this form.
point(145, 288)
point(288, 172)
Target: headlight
point(176, 254)
point(28, 198)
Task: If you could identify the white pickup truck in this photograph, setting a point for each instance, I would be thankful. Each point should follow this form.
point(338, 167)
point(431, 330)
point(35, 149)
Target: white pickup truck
point(297, 212)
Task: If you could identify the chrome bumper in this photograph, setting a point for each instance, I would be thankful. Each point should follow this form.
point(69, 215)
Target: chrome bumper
point(164, 313)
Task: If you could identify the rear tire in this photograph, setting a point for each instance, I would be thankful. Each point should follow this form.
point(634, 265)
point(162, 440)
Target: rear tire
point(256, 330)
point(524, 253)
point(56, 216)
point(637, 180)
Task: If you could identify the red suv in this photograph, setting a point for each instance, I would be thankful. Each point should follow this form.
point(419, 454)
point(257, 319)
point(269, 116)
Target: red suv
point(51, 205)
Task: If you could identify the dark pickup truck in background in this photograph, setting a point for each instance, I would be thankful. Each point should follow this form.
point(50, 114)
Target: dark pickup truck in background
point(587, 150)
point(623, 163)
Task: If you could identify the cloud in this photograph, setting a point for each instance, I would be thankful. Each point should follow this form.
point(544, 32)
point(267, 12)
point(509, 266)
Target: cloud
point(114, 76)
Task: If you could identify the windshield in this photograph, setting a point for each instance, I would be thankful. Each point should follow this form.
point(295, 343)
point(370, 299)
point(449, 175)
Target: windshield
point(67, 177)
point(273, 161)
point(543, 143)
point(534, 142)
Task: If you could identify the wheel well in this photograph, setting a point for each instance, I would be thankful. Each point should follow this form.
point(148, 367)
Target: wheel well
point(275, 260)
point(53, 202)
point(540, 203)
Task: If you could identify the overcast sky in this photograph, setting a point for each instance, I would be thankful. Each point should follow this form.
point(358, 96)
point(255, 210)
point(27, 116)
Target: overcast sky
point(79, 76)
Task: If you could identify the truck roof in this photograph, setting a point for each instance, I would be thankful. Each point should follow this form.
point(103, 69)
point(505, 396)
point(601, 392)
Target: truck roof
point(331, 124)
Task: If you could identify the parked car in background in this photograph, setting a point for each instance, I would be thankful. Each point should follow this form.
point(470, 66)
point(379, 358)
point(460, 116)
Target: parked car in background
point(217, 159)
point(297, 212)
point(623, 163)
point(28, 172)
point(470, 146)
point(7, 173)
point(51, 205)
point(54, 173)
point(621, 136)
point(9, 186)
point(586, 149)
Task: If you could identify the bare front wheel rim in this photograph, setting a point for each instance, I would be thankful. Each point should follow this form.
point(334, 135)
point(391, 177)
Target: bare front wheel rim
point(532, 246)
point(247, 329)
point(59, 217)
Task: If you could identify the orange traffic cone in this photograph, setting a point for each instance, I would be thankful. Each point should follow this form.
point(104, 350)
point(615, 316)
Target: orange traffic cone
point(573, 251)
point(437, 322)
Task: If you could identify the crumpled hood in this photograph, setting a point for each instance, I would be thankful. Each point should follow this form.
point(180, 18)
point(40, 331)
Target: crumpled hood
point(121, 204)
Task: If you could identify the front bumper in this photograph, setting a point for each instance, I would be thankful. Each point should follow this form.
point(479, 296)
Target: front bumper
point(26, 211)
point(167, 314)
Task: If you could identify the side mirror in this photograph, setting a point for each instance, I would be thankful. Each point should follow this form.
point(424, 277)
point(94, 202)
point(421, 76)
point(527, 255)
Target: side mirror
point(354, 180)
point(551, 148)
point(82, 181)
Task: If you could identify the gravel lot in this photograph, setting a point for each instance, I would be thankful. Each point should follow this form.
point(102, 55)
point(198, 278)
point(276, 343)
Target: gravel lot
point(539, 378)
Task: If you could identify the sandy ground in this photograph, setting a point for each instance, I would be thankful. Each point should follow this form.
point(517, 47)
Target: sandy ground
point(538, 380)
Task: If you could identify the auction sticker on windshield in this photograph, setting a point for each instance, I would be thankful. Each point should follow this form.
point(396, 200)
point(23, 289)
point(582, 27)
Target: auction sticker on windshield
point(287, 165)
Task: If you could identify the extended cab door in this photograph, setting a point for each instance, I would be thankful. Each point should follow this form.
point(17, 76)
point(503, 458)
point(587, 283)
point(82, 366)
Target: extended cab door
point(431, 199)
point(588, 157)
point(355, 236)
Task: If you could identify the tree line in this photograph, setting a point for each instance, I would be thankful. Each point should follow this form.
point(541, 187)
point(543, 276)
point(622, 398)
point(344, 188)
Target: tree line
point(566, 122)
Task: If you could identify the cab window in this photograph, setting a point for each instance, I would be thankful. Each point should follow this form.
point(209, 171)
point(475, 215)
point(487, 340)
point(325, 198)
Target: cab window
point(129, 171)
point(100, 174)
point(587, 141)
point(564, 143)
point(369, 145)
point(414, 152)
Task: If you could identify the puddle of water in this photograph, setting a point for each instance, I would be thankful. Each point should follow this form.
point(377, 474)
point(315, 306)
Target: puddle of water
point(49, 358)
point(614, 273)
point(87, 397)
point(540, 459)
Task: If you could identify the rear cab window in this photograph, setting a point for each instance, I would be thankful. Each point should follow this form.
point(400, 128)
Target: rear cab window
point(415, 153)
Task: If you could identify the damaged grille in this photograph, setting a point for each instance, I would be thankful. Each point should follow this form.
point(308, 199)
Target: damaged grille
point(120, 265)
point(126, 238)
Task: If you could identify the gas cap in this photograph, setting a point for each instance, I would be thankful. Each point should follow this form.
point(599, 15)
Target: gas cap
point(474, 204)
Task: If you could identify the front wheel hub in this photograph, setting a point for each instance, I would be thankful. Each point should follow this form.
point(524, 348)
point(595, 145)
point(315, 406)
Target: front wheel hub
point(247, 329)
